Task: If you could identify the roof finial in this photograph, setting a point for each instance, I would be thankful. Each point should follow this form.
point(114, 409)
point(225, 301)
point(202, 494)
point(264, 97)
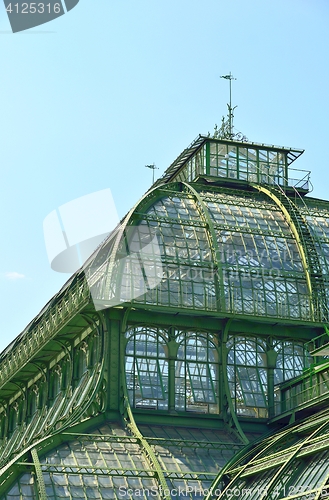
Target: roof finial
point(152, 167)
point(226, 130)
point(230, 77)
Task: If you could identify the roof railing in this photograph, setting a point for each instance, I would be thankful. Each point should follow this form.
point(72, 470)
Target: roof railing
point(308, 389)
point(260, 176)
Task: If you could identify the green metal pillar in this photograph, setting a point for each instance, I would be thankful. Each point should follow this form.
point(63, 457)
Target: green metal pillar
point(271, 363)
point(113, 366)
point(172, 354)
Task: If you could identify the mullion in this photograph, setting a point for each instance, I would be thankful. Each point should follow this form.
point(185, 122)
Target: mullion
point(199, 376)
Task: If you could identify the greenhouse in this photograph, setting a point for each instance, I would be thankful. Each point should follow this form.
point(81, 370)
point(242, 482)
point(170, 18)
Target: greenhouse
point(188, 357)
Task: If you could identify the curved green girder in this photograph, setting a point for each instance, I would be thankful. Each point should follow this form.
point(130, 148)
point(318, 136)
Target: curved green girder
point(233, 414)
point(244, 453)
point(131, 424)
point(213, 245)
point(306, 248)
point(280, 471)
point(295, 232)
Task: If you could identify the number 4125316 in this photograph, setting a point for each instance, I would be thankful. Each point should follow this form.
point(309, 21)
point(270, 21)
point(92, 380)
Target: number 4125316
point(33, 8)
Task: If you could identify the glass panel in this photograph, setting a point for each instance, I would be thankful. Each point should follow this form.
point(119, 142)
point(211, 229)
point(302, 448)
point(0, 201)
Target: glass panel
point(102, 451)
point(247, 376)
point(292, 359)
point(260, 261)
point(146, 368)
point(196, 380)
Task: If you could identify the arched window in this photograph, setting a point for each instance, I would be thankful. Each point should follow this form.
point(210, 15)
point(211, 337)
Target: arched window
point(196, 374)
point(32, 402)
point(80, 362)
point(93, 350)
point(247, 376)
point(14, 416)
point(55, 382)
point(292, 359)
point(146, 368)
point(66, 368)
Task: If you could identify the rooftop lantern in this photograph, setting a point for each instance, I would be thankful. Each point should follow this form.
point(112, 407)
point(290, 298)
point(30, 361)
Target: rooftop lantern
point(228, 157)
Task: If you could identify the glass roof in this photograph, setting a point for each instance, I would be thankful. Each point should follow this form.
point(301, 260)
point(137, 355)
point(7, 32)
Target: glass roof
point(91, 466)
point(291, 463)
point(109, 463)
point(316, 214)
point(204, 247)
point(231, 253)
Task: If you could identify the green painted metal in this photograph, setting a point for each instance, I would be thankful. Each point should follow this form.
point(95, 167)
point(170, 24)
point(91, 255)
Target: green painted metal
point(179, 163)
point(38, 336)
point(176, 169)
point(316, 276)
point(156, 441)
point(58, 394)
point(289, 461)
point(303, 392)
point(131, 424)
point(321, 488)
point(315, 445)
point(236, 200)
point(219, 281)
point(66, 373)
point(149, 453)
point(39, 475)
point(232, 415)
point(113, 368)
point(245, 319)
point(271, 364)
point(271, 485)
point(114, 472)
point(296, 232)
point(318, 345)
point(309, 253)
point(243, 454)
point(89, 469)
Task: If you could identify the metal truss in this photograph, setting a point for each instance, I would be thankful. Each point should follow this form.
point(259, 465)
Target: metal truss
point(116, 472)
point(38, 335)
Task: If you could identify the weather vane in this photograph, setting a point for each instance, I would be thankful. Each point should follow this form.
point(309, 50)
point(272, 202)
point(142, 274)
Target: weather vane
point(230, 77)
point(152, 167)
point(226, 130)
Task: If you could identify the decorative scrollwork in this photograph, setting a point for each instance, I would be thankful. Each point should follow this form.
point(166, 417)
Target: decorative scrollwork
point(225, 132)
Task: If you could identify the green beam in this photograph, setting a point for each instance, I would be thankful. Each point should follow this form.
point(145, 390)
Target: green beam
point(219, 281)
point(295, 232)
point(131, 424)
point(233, 414)
point(119, 472)
point(281, 471)
point(39, 475)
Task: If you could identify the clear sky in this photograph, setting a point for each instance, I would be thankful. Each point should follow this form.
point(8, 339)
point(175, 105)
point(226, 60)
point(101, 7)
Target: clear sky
point(89, 99)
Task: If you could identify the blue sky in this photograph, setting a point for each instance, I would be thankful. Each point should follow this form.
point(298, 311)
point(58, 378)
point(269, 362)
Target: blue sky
point(90, 98)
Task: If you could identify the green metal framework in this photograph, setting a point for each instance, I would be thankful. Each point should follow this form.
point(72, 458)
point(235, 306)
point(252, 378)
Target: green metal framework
point(291, 464)
point(195, 329)
point(253, 267)
point(172, 370)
